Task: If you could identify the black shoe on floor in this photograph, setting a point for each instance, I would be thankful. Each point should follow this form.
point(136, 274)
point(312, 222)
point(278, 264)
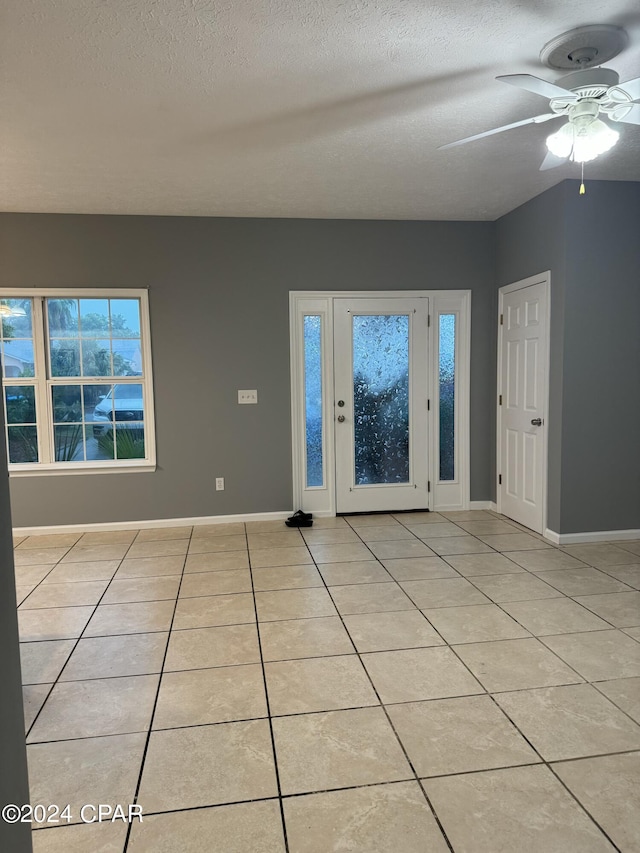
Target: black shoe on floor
point(299, 522)
point(301, 514)
point(300, 519)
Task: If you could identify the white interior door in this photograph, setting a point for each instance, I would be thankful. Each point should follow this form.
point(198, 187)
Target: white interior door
point(523, 380)
point(380, 406)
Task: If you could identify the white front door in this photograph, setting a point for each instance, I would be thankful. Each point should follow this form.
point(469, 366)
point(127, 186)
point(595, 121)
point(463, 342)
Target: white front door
point(380, 405)
point(523, 381)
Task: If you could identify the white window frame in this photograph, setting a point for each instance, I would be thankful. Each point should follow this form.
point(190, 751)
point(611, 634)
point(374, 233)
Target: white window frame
point(44, 382)
point(453, 494)
point(445, 495)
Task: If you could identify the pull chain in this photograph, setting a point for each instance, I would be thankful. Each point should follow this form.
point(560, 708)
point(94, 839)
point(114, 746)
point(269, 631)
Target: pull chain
point(582, 189)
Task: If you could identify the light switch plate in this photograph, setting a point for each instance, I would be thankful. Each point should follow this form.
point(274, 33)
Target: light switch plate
point(245, 397)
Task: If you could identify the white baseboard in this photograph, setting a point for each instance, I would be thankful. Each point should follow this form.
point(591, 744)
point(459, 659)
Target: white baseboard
point(147, 524)
point(591, 536)
point(483, 505)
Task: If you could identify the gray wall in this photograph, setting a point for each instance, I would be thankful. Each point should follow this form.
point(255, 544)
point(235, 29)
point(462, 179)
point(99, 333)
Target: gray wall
point(14, 784)
point(601, 409)
point(591, 244)
point(218, 291)
point(531, 240)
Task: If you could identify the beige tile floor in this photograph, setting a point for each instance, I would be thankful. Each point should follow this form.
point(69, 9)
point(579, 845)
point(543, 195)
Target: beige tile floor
point(413, 683)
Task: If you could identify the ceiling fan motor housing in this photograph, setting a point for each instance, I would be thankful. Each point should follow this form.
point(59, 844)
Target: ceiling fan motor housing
point(596, 78)
point(596, 87)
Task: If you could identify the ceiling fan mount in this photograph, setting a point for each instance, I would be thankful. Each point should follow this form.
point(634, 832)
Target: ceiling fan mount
point(584, 47)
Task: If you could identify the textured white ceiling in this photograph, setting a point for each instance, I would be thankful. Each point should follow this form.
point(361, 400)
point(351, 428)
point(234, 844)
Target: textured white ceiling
point(300, 108)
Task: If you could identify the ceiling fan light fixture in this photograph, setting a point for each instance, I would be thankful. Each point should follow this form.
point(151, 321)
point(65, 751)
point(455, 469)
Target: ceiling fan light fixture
point(596, 139)
point(560, 143)
point(583, 141)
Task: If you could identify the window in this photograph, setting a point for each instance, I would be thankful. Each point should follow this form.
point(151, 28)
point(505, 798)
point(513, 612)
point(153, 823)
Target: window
point(447, 395)
point(313, 399)
point(77, 380)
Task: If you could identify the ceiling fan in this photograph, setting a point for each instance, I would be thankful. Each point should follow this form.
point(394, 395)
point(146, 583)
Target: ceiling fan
point(583, 97)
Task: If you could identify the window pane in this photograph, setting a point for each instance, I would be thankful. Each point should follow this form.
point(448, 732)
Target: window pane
point(128, 403)
point(63, 318)
point(23, 444)
point(15, 315)
point(381, 398)
point(94, 318)
point(125, 318)
point(98, 404)
point(98, 407)
point(127, 357)
point(65, 357)
point(98, 443)
point(96, 358)
point(130, 441)
point(313, 398)
point(16, 338)
point(67, 404)
point(17, 358)
point(98, 415)
point(447, 366)
point(20, 404)
point(68, 443)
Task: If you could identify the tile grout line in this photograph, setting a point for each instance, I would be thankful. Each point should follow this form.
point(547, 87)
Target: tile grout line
point(594, 684)
point(584, 808)
point(530, 573)
point(487, 692)
point(368, 785)
point(386, 714)
point(561, 596)
point(155, 704)
point(268, 705)
point(546, 763)
point(54, 566)
point(75, 645)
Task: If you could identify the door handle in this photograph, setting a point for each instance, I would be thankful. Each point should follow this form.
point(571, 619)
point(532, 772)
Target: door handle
point(341, 419)
point(536, 422)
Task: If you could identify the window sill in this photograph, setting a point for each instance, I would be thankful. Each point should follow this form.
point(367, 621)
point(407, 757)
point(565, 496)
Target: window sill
point(134, 467)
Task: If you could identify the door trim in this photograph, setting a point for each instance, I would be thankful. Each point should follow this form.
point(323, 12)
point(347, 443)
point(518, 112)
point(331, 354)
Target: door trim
point(321, 500)
point(543, 278)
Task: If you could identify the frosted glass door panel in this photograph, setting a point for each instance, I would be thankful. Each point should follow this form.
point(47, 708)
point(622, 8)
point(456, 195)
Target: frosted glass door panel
point(447, 388)
point(313, 399)
point(380, 361)
point(381, 398)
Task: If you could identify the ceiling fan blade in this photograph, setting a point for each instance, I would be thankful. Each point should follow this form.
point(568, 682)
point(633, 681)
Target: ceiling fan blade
point(534, 120)
point(632, 117)
point(551, 162)
point(537, 86)
point(632, 88)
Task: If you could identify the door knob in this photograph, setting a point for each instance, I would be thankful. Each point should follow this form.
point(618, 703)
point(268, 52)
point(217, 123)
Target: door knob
point(536, 422)
point(341, 419)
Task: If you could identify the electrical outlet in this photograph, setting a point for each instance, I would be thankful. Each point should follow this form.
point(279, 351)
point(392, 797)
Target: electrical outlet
point(219, 484)
point(247, 397)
